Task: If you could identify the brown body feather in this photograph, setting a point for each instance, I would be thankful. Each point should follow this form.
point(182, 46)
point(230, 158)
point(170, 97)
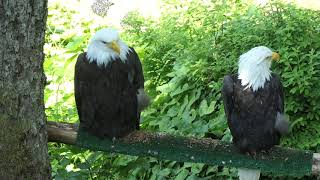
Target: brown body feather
point(106, 96)
point(252, 115)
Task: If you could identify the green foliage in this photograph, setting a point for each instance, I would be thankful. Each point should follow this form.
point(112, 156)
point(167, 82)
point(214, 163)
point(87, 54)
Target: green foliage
point(185, 54)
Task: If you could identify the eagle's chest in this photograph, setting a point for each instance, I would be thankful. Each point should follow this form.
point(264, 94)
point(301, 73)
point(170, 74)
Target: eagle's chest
point(116, 72)
point(260, 98)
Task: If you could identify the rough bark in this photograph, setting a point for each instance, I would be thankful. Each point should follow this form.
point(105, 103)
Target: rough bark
point(23, 137)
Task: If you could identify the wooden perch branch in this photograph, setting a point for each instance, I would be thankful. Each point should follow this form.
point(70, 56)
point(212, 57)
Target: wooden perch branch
point(316, 164)
point(62, 132)
point(280, 161)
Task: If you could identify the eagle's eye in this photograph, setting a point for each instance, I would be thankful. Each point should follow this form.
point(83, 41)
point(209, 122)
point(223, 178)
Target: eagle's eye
point(104, 42)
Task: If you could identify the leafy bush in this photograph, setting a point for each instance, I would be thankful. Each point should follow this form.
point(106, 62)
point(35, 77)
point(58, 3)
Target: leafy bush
point(185, 54)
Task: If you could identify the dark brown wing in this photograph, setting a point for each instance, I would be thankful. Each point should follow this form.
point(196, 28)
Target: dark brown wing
point(137, 74)
point(230, 107)
point(77, 88)
point(137, 79)
point(227, 95)
point(279, 89)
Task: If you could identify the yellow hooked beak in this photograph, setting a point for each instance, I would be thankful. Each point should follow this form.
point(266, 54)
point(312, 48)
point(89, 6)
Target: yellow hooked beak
point(275, 56)
point(113, 45)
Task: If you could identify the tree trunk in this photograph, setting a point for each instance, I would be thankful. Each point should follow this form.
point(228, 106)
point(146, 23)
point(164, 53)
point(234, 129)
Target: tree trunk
point(23, 137)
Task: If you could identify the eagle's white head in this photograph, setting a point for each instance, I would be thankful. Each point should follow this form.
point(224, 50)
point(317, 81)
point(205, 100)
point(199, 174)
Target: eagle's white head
point(106, 46)
point(254, 67)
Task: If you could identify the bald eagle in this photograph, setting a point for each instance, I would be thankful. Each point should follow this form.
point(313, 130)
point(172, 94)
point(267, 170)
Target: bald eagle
point(254, 103)
point(109, 86)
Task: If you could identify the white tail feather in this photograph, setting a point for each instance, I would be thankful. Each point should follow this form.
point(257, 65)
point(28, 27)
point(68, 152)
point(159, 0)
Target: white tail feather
point(143, 99)
point(282, 124)
point(248, 174)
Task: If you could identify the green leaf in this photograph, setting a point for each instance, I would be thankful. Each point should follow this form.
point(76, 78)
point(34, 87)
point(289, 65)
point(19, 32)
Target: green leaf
point(204, 109)
point(182, 175)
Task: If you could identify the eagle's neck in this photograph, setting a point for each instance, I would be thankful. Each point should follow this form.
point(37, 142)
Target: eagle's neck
point(254, 75)
point(103, 56)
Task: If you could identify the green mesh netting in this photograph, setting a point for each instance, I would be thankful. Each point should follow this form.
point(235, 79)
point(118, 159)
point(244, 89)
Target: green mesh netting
point(278, 161)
